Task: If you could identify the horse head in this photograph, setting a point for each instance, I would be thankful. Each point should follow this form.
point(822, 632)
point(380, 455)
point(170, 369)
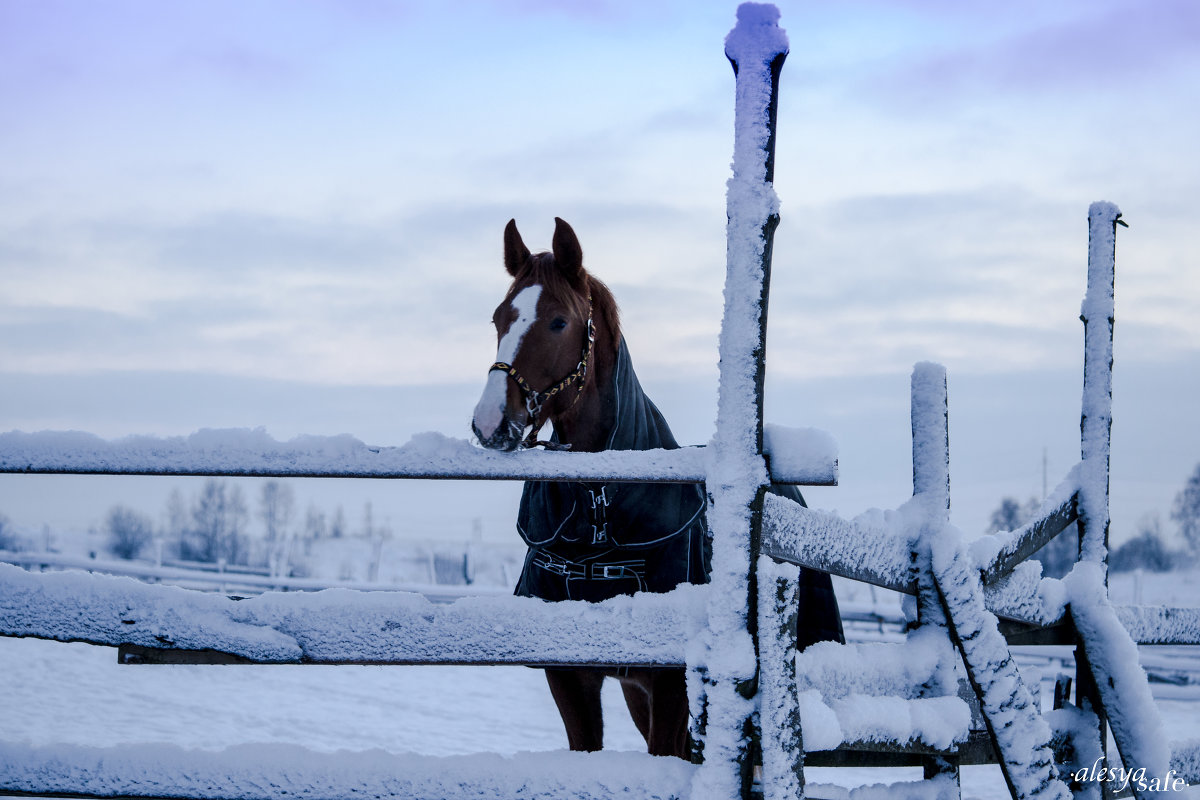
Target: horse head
point(546, 333)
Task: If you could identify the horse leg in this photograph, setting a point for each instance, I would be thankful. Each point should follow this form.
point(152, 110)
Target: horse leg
point(637, 700)
point(661, 696)
point(577, 694)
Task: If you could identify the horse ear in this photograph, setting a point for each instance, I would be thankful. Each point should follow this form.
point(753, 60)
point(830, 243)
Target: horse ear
point(567, 252)
point(515, 251)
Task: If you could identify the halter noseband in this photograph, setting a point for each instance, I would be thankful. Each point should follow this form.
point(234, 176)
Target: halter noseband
point(535, 401)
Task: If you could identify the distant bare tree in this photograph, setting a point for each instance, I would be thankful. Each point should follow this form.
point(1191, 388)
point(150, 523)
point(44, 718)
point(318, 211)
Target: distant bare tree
point(1146, 551)
point(276, 504)
point(337, 528)
point(218, 521)
point(128, 531)
point(1186, 511)
point(8, 535)
point(1007, 517)
point(314, 523)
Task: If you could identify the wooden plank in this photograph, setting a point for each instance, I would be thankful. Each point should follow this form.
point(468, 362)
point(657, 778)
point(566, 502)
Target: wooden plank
point(287, 772)
point(346, 627)
point(978, 749)
point(55, 453)
point(1030, 538)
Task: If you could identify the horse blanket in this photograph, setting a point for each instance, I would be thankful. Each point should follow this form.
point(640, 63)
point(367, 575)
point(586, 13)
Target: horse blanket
point(592, 541)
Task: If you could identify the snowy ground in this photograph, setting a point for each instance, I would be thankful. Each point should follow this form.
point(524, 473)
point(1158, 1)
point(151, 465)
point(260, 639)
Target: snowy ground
point(78, 694)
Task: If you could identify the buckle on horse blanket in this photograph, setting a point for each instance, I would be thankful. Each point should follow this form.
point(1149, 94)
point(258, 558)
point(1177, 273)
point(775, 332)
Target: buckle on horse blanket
point(620, 569)
point(559, 566)
point(594, 571)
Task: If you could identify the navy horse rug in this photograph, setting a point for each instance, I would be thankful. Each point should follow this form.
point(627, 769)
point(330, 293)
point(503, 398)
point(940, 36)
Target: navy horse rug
point(592, 541)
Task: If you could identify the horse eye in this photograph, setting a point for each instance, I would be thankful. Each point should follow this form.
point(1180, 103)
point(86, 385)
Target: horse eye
point(558, 324)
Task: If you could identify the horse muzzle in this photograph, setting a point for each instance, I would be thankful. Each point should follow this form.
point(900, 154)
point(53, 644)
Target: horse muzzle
point(506, 437)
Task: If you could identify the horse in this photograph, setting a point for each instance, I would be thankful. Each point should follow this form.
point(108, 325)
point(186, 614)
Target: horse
point(561, 358)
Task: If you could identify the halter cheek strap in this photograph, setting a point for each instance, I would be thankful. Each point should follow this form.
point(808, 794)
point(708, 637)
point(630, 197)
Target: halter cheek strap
point(535, 401)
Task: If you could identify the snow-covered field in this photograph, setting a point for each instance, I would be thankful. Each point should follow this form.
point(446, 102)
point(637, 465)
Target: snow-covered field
point(78, 694)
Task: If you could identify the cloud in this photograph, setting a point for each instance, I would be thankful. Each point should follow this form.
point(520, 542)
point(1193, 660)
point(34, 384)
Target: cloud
point(1093, 52)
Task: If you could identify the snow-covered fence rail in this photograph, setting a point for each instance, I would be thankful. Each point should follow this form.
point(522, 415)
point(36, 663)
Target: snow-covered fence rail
point(167, 624)
point(233, 582)
point(799, 456)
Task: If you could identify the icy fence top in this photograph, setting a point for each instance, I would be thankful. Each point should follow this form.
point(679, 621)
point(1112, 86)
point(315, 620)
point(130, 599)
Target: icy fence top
point(287, 772)
point(802, 456)
point(346, 626)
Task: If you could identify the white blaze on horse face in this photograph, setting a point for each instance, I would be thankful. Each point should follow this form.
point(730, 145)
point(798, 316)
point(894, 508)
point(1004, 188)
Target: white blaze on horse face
point(489, 412)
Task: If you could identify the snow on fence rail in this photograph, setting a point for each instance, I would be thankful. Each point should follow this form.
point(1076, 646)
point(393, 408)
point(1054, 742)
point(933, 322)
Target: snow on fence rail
point(343, 626)
point(800, 456)
point(225, 580)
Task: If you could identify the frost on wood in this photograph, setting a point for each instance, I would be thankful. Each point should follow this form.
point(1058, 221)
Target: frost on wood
point(1096, 423)
point(779, 712)
point(287, 772)
point(737, 470)
point(800, 452)
point(1120, 679)
point(1022, 737)
point(1160, 625)
point(254, 452)
point(345, 626)
point(994, 552)
point(807, 457)
point(875, 543)
point(1077, 738)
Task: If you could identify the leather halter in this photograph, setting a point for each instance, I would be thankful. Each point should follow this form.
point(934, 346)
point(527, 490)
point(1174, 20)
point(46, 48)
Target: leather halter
point(535, 401)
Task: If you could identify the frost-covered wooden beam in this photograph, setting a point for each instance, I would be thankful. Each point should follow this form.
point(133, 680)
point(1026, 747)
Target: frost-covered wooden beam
point(1109, 657)
point(340, 626)
point(1097, 314)
point(234, 582)
point(999, 554)
point(737, 475)
point(287, 772)
point(1021, 735)
point(1159, 624)
point(801, 456)
point(872, 548)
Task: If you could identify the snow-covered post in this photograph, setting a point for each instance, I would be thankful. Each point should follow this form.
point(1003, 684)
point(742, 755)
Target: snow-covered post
point(929, 411)
point(779, 699)
point(737, 471)
point(1095, 424)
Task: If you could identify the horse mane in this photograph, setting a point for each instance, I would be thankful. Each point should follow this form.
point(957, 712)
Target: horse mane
point(541, 268)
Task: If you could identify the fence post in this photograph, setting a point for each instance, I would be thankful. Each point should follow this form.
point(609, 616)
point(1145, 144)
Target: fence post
point(930, 417)
point(737, 472)
point(1095, 422)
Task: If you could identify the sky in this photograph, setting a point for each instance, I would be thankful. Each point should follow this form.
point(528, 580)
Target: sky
point(228, 214)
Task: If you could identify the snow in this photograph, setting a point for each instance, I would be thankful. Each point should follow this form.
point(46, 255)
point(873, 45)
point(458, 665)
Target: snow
point(1120, 679)
point(736, 469)
point(779, 712)
point(1022, 736)
point(989, 550)
point(345, 626)
point(875, 542)
point(275, 772)
point(800, 451)
point(1097, 313)
point(253, 452)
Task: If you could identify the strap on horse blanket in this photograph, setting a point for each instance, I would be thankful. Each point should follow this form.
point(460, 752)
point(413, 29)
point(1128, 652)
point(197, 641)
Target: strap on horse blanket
point(622, 515)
